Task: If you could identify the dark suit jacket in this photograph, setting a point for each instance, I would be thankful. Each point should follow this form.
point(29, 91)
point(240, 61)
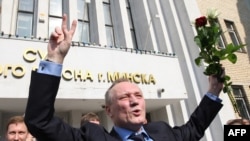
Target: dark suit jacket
point(40, 120)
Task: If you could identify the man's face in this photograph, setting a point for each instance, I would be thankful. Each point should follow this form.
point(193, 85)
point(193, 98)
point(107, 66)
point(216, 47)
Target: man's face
point(127, 108)
point(17, 132)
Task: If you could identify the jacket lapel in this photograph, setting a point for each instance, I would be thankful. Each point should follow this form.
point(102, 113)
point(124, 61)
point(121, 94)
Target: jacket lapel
point(114, 134)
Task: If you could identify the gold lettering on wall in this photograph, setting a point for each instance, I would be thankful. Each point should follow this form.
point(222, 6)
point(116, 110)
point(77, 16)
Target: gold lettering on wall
point(30, 55)
point(152, 79)
point(67, 74)
point(78, 74)
point(133, 77)
point(89, 76)
point(100, 75)
point(17, 71)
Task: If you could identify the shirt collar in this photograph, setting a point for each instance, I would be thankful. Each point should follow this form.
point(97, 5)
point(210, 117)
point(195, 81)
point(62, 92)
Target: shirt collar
point(124, 133)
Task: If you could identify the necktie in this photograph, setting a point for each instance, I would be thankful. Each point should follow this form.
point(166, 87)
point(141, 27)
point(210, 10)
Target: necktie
point(138, 137)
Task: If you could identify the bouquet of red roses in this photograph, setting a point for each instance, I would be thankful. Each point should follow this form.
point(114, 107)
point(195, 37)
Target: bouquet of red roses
point(207, 38)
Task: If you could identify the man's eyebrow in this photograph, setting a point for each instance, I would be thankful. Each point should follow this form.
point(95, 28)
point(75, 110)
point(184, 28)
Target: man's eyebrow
point(126, 92)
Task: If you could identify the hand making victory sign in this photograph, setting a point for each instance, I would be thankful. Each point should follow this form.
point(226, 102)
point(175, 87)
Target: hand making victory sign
point(60, 41)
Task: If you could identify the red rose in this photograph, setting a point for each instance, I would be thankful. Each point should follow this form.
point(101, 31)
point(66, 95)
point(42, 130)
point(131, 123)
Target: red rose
point(201, 21)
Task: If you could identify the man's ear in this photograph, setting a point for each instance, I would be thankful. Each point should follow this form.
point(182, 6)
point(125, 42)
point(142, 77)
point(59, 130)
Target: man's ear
point(108, 111)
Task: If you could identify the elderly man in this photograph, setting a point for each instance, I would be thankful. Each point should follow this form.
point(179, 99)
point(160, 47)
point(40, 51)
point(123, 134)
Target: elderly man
point(125, 105)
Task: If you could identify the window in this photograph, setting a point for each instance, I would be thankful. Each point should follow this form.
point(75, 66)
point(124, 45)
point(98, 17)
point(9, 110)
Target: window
point(25, 18)
point(108, 24)
point(55, 14)
point(55, 8)
point(241, 101)
point(233, 33)
point(131, 25)
point(221, 42)
point(83, 21)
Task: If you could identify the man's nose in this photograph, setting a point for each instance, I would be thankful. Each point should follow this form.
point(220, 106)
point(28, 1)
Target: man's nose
point(133, 100)
point(16, 137)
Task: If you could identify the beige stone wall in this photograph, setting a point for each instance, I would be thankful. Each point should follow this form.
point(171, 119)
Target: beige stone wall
point(238, 12)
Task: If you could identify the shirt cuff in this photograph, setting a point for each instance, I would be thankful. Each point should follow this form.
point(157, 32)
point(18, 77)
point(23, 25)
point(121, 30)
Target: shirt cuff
point(213, 97)
point(50, 68)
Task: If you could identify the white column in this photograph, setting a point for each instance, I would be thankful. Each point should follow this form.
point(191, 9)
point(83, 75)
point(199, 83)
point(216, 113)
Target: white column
point(100, 22)
point(42, 26)
point(106, 122)
point(9, 14)
point(75, 118)
point(159, 115)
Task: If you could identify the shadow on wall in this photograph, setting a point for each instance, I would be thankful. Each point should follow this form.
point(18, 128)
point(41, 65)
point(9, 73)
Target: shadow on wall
point(243, 7)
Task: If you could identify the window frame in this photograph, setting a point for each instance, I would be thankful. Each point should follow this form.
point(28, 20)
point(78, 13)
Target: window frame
point(240, 97)
point(33, 14)
point(84, 23)
point(131, 25)
point(233, 34)
point(109, 28)
point(57, 18)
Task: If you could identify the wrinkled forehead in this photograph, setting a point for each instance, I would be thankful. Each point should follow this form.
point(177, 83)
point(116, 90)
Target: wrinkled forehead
point(124, 88)
point(18, 125)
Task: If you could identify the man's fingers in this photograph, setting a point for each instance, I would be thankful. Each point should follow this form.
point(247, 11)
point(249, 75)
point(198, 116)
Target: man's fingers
point(68, 33)
point(73, 27)
point(64, 23)
point(58, 31)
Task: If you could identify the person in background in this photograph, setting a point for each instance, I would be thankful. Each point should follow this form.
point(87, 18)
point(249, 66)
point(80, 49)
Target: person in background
point(16, 129)
point(238, 121)
point(90, 117)
point(124, 104)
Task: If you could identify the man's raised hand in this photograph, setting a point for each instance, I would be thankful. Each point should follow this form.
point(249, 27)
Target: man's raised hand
point(60, 41)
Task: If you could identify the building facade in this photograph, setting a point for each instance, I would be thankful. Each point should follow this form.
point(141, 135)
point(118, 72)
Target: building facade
point(150, 42)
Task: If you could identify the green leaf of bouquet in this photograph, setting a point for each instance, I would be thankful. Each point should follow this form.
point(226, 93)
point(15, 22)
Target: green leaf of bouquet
point(203, 55)
point(198, 61)
point(236, 48)
point(230, 83)
point(225, 89)
point(230, 48)
point(227, 78)
point(216, 33)
point(232, 58)
point(197, 41)
point(221, 53)
point(216, 58)
point(205, 43)
point(211, 69)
